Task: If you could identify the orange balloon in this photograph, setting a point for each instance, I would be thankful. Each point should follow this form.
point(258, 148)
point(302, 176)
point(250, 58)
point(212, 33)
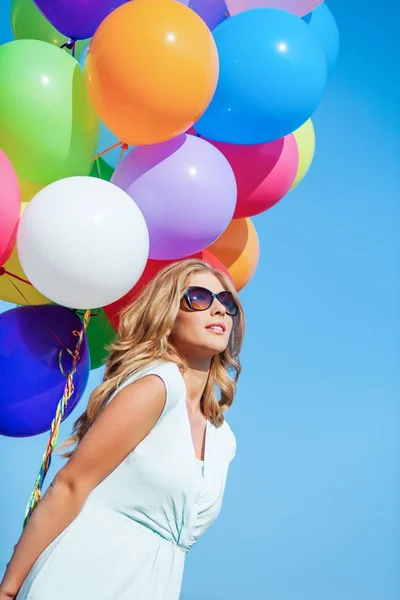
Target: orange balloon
point(152, 69)
point(239, 250)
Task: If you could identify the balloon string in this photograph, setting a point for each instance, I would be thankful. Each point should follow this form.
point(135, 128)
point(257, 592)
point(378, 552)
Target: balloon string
point(3, 271)
point(13, 284)
point(124, 148)
point(63, 346)
point(55, 425)
point(117, 145)
point(98, 168)
point(60, 357)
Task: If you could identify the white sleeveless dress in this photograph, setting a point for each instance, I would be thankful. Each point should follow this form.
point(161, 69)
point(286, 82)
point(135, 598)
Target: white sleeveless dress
point(130, 540)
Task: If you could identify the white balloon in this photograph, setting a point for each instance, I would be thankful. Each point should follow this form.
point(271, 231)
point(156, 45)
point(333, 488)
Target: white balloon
point(83, 242)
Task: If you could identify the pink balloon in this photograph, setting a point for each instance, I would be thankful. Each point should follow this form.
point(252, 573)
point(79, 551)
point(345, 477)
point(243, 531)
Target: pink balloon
point(297, 7)
point(10, 207)
point(264, 172)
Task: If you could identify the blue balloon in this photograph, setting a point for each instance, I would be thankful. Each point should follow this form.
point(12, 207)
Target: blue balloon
point(322, 22)
point(106, 138)
point(272, 77)
point(31, 381)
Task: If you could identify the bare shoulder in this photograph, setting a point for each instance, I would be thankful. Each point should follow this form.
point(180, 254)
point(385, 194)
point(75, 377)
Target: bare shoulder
point(148, 392)
point(118, 429)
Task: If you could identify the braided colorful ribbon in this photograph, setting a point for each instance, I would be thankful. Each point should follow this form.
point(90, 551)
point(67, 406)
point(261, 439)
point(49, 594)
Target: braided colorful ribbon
point(55, 425)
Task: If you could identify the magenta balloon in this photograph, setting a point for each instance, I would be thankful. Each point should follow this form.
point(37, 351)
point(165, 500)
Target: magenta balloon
point(77, 19)
point(213, 12)
point(264, 173)
point(10, 207)
point(297, 7)
point(186, 191)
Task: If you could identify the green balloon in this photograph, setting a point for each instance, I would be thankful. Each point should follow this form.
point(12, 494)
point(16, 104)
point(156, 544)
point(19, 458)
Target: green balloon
point(48, 127)
point(28, 23)
point(101, 169)
point(100, 333)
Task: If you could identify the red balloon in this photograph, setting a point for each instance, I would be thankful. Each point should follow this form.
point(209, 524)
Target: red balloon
point(152, 268)
point(213, 261)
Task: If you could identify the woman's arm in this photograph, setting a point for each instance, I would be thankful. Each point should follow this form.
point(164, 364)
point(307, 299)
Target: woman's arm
point(118, 429)
point(57, 509)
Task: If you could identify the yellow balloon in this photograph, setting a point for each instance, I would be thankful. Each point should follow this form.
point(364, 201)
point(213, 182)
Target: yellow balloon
point(29, 189)
point(305, 138)
point(17, 289)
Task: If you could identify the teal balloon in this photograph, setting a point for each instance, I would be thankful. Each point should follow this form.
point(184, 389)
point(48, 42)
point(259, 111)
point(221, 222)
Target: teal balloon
point(48, 126)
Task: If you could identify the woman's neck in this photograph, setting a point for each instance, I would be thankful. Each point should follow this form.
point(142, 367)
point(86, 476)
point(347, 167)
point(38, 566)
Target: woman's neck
point(195, 379)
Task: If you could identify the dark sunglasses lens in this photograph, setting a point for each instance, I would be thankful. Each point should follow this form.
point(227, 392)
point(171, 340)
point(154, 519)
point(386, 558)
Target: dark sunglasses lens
point(228, 301)
point(200, 298)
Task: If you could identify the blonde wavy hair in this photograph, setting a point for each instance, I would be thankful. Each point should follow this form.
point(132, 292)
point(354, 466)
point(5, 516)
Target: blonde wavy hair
point(143, 336)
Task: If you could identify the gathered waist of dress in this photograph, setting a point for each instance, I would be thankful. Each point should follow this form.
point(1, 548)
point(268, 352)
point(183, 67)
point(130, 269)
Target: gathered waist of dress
point(140, 523)
point(165, 535)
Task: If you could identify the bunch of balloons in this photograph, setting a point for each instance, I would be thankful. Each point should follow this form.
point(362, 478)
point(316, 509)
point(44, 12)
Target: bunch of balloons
point(135, 134)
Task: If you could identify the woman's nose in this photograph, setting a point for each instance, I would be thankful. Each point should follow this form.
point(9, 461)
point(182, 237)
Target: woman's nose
point(217, 308)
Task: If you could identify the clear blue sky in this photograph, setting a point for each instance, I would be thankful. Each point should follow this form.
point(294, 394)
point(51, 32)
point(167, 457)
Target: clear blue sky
point(312, 502)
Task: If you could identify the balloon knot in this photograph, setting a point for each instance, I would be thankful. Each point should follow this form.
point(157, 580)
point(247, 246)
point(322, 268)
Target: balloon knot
point(2, 271)
point(124, 147)
point(70, 44)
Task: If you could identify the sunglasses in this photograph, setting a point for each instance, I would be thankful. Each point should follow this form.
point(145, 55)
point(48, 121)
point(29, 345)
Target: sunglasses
point(199, 298)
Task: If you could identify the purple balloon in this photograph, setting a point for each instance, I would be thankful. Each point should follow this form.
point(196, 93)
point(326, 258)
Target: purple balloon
point(31, 382)
point(213, 12)
point(186, 191)
point(77, 19)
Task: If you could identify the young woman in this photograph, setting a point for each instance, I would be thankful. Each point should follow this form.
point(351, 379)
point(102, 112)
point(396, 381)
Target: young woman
point(148, 472)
